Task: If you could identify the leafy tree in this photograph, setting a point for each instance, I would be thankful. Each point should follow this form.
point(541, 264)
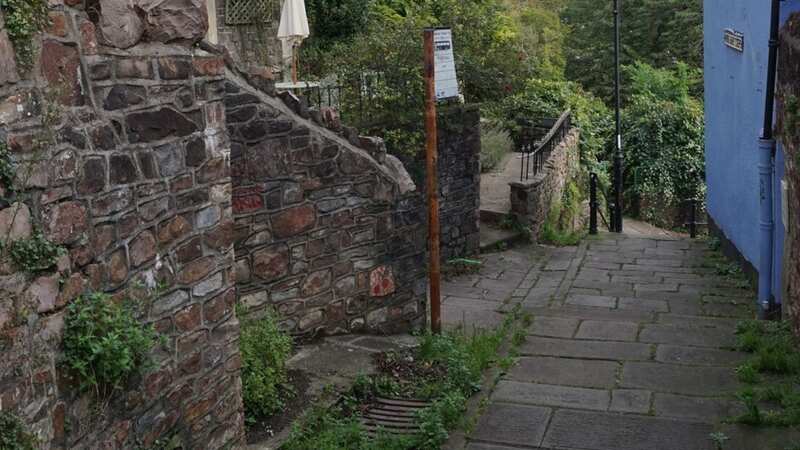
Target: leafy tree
point(546, 99)
point(657, 32)
point(380, 69)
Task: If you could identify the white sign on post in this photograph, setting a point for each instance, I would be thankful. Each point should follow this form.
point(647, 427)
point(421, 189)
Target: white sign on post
point(445, 63)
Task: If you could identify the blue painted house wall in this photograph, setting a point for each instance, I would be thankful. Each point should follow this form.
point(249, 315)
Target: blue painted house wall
point(734, 100)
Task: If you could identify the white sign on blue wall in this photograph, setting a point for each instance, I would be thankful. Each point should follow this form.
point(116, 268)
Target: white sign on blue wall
point(445, 63)
point(734, 39)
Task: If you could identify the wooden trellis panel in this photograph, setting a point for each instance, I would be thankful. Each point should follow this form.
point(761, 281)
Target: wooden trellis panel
point(244, 12)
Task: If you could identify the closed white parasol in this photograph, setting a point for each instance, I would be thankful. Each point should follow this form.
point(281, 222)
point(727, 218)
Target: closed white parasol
point(293, 30)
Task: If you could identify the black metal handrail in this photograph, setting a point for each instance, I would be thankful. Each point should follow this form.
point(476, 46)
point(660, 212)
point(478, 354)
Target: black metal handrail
point(536, 153)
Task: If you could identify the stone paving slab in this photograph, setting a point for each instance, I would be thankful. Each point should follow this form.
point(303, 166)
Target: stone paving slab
point(479, 446)
point(621, 351)
point(630, 401)
point(643, 304)
point(551, 395)
point(697, 321)
point(597, 301)
point(701, 409)
point(671, 378)
point(698, 356)
point(629, 349)
point(608, 431)
point(679, 335)
point(566, 372)
point(553, 326)
point(470, 313)
point(588, 313)
point(513, 424)
point(607, 331)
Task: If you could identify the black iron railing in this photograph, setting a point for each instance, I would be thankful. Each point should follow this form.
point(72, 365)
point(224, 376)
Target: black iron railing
point(352, 97)
point(594, 205)
point(535, 153)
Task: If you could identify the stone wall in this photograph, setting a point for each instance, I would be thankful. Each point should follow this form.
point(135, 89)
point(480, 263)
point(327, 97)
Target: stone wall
point(459, 181)
point(252, 42)
point(789, 133)
point(135, 185)
point(532, 200)
point(329, 233)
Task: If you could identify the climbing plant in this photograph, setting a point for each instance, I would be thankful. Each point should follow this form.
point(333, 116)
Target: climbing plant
point(23, 20)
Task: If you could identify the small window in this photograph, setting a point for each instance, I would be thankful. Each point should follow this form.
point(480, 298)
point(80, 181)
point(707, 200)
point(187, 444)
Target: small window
point(244, 12)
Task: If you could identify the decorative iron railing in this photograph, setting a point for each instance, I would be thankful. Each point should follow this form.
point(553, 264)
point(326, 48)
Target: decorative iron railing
point(535, 153)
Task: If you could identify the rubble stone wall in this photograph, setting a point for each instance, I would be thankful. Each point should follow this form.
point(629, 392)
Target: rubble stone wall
point(135, 185)
point(789, 134)
point(329, 234)
point(532, 200)
point(254, 42)
point(166, 175)
point(459, 180)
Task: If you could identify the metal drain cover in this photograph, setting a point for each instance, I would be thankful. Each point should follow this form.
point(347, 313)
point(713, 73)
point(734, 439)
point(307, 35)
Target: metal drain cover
point(393, 416)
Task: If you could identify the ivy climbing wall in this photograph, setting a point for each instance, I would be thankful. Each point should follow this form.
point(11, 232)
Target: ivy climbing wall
point(789, 132)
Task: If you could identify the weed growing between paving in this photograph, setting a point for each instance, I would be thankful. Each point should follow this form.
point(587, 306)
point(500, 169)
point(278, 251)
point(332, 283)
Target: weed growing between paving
point(444, 369)
point(772, 374)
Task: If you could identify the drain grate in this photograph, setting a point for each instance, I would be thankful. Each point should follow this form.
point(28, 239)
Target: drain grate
point(393, 416)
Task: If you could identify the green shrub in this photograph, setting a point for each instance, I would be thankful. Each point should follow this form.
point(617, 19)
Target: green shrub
point(264, 350)
point(539, 99)
point(24, 19)
point(34, 254)
point(495, 144)
point(13, 435)
point(663, 134)
point(104, 344)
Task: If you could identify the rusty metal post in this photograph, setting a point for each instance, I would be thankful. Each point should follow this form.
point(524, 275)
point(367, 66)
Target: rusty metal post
point(431, 159)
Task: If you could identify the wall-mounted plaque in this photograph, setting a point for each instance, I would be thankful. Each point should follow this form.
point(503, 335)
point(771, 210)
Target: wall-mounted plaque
point(734, 39)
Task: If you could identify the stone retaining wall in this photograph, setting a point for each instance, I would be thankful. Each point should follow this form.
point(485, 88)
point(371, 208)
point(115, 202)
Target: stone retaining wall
point(178, 184)
point(136, 187)
point(459, 180)
point(789, 132)
point(330, 234)
point(532, 200)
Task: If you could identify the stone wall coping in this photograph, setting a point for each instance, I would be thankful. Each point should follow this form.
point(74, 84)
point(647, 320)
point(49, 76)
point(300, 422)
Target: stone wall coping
point(529, 184)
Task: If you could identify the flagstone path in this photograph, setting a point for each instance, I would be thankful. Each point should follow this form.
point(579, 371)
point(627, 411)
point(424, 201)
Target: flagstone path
point(629, 348)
